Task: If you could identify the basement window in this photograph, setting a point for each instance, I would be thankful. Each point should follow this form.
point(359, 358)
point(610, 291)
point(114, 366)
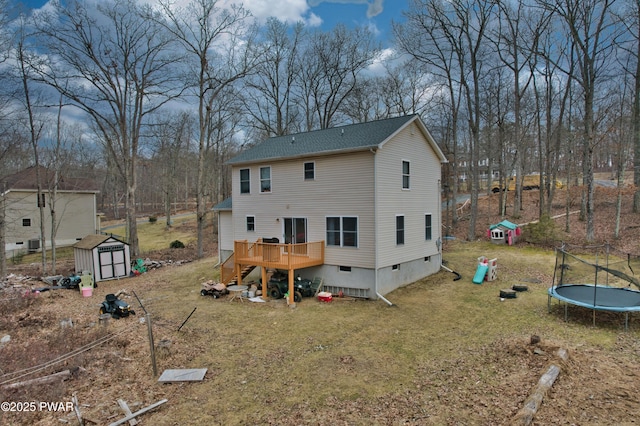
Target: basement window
point(26, 222)
point(344, 268)
point(395, 267)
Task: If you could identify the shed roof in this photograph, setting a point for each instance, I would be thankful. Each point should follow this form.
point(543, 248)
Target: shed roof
point(94, 240)
point(353, 137)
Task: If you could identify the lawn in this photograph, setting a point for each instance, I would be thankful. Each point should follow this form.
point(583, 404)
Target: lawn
point(446, 352)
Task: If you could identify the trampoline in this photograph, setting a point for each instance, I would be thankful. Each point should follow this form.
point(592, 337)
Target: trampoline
point(615, 295)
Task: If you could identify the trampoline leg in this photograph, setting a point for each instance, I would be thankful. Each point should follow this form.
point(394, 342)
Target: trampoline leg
point(626, 321)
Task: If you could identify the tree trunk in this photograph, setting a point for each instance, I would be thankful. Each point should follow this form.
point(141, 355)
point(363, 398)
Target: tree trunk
point(3, 253)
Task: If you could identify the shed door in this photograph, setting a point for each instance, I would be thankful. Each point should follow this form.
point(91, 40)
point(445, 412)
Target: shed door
point(112, 262)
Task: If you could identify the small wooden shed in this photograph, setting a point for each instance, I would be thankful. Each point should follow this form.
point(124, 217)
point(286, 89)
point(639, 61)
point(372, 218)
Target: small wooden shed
point(104, 256)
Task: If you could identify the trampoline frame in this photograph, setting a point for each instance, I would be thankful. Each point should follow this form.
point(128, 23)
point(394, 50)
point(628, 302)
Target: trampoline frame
point(611, 295)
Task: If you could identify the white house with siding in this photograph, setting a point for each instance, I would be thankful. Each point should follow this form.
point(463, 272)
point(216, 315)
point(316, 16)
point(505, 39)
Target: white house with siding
point(361, 201)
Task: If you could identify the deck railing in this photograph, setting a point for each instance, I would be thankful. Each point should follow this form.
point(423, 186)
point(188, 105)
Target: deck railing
point(272, 255)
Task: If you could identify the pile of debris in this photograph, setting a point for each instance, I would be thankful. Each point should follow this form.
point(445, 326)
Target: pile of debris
point(155, 264)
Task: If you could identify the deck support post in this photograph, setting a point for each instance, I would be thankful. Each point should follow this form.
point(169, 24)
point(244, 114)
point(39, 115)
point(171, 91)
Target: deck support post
point(239, 273)
point(291, 301)
point(263, 270)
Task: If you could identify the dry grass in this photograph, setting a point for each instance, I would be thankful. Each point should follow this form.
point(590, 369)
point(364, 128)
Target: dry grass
point(447, 352)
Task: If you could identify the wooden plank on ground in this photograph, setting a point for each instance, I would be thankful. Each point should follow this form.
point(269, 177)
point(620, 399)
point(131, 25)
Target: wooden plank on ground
point(127, 412)
point(137, 413)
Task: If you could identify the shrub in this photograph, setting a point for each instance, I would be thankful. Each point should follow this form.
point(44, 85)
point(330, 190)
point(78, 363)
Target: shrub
point(542, 232)
point(176, 244)
point(17, 257)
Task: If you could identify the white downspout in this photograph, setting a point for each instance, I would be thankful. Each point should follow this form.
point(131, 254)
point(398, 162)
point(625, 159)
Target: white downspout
point(375, 221)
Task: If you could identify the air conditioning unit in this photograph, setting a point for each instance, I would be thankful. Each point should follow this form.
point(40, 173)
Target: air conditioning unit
point(34, 245)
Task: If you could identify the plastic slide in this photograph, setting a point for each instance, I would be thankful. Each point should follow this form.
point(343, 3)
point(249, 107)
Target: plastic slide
point(480, 273)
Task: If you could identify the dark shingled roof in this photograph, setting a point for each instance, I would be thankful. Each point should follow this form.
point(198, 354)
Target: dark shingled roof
point(353, 137)
point(26, 180)
point(225, 204)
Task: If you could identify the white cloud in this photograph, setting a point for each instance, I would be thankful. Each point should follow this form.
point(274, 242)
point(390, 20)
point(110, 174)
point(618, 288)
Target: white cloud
point(285, 10)
point(374, 7)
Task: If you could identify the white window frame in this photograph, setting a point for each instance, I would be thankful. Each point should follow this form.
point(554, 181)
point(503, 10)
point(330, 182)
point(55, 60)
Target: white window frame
point(270, 180)
point(253, 222)
point(313, 170)
point(341, 231)
point(430, 227)
point(406, 176)
point(248, 181)
point(404, 227)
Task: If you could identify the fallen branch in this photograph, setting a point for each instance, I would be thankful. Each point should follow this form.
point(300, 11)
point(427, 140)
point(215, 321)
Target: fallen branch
point(552, 217)
point(531, 405)
point(61, 375)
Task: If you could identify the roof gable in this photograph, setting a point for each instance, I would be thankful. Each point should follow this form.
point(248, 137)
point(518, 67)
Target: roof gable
point(94, 240)
point(353, 137)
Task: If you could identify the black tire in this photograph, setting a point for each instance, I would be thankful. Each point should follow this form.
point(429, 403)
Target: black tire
point(297, 297)
point(65, 282)
point(519, 287)
point(274, 293)
point(203, 292)
point(495, 190)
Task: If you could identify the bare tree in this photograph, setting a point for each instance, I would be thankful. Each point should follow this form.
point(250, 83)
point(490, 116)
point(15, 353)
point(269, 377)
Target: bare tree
point(457, 31)
point(220, 51)
point(116, 65)
point(34, 126)
point(269, 99)
point(330, 68)
point(171, 137)
point(629, 20)
point(591, 28)
point(425, 41)
point(516, 41)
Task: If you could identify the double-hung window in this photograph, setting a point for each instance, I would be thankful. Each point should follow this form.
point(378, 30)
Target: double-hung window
point(309, 170)
point(265, 179)
point(427, 227)
point(342, 231)
point(251, 223)
point(245, 181)
point(399, 230)
point(406, 174)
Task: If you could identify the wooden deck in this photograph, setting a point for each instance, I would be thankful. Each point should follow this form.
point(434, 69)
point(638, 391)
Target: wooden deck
point(273, 256)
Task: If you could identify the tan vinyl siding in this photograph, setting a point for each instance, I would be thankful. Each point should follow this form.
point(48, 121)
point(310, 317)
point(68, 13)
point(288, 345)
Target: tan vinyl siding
point(422, 197)
point(225, 231)
point(75, 212)
point(342, 187)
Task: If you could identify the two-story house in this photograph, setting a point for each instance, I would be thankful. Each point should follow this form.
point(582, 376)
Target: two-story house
point(358, 205)
point(75, 209)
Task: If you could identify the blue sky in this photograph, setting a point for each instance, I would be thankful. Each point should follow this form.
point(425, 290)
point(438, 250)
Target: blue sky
point(377, 14)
